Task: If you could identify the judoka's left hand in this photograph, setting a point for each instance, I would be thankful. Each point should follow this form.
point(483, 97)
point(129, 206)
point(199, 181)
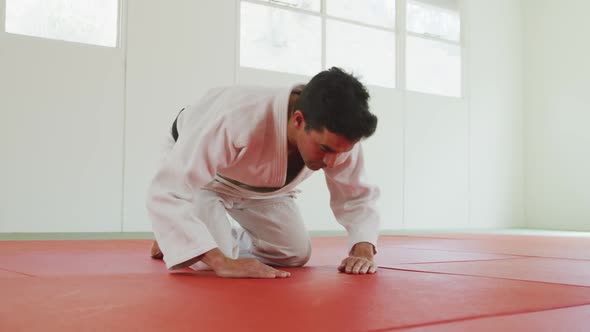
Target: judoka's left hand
point(360, 260)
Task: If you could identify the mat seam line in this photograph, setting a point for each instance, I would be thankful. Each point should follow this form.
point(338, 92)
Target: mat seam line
point(465, 261)
point(476, 276)
point(476, 317)
point(490, 253)
point(11, 271)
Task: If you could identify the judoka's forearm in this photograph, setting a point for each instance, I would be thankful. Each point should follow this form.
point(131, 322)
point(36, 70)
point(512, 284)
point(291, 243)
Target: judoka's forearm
point(353, 199)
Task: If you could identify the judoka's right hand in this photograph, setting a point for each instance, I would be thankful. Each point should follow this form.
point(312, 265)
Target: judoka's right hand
point(240, 268)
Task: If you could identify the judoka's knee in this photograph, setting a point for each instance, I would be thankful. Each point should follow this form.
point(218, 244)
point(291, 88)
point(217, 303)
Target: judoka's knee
point(298, 257)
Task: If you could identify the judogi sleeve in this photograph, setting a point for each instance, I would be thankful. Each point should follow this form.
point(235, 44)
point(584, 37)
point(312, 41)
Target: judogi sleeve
point(353, 199)
point(205, 145)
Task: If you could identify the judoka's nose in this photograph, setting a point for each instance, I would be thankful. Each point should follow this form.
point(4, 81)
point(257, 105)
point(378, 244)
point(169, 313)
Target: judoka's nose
point(330, 159)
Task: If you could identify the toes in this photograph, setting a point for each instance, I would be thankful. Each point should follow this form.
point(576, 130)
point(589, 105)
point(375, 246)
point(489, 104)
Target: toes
point(155, 251)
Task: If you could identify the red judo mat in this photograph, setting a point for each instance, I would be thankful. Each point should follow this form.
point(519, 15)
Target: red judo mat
point(445, 282)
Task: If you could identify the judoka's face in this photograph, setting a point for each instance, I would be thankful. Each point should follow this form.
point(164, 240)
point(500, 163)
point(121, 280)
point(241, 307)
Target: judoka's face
point(319, 149)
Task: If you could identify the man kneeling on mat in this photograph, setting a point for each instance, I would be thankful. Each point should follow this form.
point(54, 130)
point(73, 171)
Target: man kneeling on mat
point(242, 151)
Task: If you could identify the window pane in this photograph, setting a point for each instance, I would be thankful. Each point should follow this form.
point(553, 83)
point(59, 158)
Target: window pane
point(442, 20)
point(368, 53)
point(280, 40)
point(375, 12)
point(312, 5)
point(433, 67)
point(84, 21)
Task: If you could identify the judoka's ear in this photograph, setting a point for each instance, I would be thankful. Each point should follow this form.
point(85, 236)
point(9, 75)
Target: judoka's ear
point(298, 118)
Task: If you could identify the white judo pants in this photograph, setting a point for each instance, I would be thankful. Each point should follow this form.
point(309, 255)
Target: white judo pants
point(272, 230)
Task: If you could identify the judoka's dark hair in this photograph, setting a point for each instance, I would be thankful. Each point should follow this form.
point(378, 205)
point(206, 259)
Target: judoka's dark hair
point(337, 101)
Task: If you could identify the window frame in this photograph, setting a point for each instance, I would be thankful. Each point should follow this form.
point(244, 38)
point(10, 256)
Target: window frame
point(400, 31)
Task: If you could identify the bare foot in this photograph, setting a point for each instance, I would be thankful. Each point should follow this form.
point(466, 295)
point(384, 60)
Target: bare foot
point(240, 268)
point(155, 251)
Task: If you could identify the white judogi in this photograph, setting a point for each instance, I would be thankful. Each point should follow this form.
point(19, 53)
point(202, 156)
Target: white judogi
point(240, 133)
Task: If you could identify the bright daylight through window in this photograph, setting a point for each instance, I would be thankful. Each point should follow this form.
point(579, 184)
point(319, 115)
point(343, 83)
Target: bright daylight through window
point(286, 36)
point(306, 36)
point(84, 21)
point(433, 48)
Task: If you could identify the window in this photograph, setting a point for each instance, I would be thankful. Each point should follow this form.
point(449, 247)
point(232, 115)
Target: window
point(280, 40)
point(433, 48)
point(84, 21)
point(310, 5)
point(364, 42)
point(361, 36)
point(365, 51)
point(306, 36)
point(374, 12)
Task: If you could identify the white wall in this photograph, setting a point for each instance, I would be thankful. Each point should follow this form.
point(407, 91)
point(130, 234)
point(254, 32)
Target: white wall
point(175, 52)
point(557, 94)
point(464, 162)
point(495, 101)
point(441, 162)
point(436, 163)
point(61, 133)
